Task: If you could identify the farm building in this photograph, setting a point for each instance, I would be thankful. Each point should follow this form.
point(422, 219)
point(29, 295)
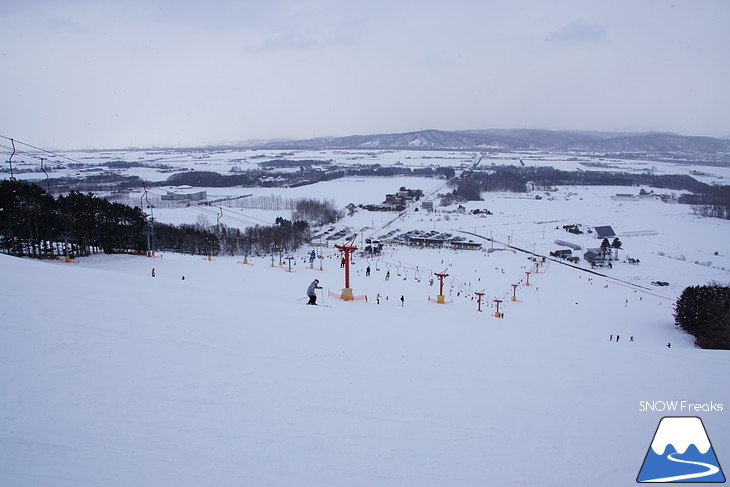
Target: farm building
point(604, 232)
point(565, 243)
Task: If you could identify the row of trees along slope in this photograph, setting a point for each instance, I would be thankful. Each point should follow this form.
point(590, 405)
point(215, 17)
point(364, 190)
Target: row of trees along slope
point(34, 223)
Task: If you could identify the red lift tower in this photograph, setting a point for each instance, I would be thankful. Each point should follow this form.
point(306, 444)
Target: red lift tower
point(440, 298)
point(479, 301)
point(528, 278)
point(514, 291)
point(347, 248)
point(497, 314)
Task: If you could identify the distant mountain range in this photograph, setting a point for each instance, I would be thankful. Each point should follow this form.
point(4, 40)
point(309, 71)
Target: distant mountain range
point(517, 139)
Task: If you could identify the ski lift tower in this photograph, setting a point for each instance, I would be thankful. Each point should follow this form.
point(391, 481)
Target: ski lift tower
point(479, 301)
point(149, 230)
point(66, 236)
point(497, 314)
point(528, 278)
point(347, 248)
point(440, 298)
point(514, 291)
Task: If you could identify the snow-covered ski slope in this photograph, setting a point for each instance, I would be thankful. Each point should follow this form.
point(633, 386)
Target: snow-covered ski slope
point(111, 377)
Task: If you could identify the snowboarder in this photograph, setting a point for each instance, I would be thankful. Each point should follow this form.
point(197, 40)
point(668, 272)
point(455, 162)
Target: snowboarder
point(153, 272)
point(402, 300)
point(367, 272)
point(377, 298)
point(617, 337)
point(387, 276)
point(631, 338)
point(312, 291)
point(610, 339)
point(669, 345)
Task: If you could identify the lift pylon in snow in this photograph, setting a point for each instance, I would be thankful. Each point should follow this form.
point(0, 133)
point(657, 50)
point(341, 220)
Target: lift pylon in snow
point(479, 301)
point(347, 248)
point(440, 298)
point(497, 314)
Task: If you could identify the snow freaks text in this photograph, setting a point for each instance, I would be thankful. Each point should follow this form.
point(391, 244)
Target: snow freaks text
point(680, 407)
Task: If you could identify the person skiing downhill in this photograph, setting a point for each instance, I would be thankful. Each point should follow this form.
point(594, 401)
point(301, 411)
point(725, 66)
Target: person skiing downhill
point(312, 291)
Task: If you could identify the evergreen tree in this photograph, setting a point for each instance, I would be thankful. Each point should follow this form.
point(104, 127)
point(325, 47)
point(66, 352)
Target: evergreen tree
point(617, 245)
point(605, 248)
point(704, 312)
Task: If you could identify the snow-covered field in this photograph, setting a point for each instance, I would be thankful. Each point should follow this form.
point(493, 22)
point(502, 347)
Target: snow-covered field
point(225, 378)
point(157, 165)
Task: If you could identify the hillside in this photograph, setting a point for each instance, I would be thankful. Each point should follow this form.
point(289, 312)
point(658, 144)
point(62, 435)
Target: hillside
point(517, 139)
point(113, 377)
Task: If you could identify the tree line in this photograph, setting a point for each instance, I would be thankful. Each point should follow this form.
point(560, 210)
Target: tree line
point(283, 236)
point(34, 223)
point(714, 201)
point(704, 312)
point(469, 185)
point(212, 179)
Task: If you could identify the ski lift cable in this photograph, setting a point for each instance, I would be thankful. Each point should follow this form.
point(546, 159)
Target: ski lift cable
point(431, 272)
point(20, 152)
point(68, 172)
point(206, 210)
point(41, 149)
point(241, 218)
point(237, 218)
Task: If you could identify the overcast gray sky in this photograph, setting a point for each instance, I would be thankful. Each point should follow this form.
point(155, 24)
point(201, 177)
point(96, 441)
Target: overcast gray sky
point(102, 74)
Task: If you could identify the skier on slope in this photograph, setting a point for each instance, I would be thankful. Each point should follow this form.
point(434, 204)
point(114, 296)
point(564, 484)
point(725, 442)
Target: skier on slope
point(312, 291)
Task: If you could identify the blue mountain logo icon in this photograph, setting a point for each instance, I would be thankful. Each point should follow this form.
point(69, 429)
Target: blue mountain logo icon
point(681, 452)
